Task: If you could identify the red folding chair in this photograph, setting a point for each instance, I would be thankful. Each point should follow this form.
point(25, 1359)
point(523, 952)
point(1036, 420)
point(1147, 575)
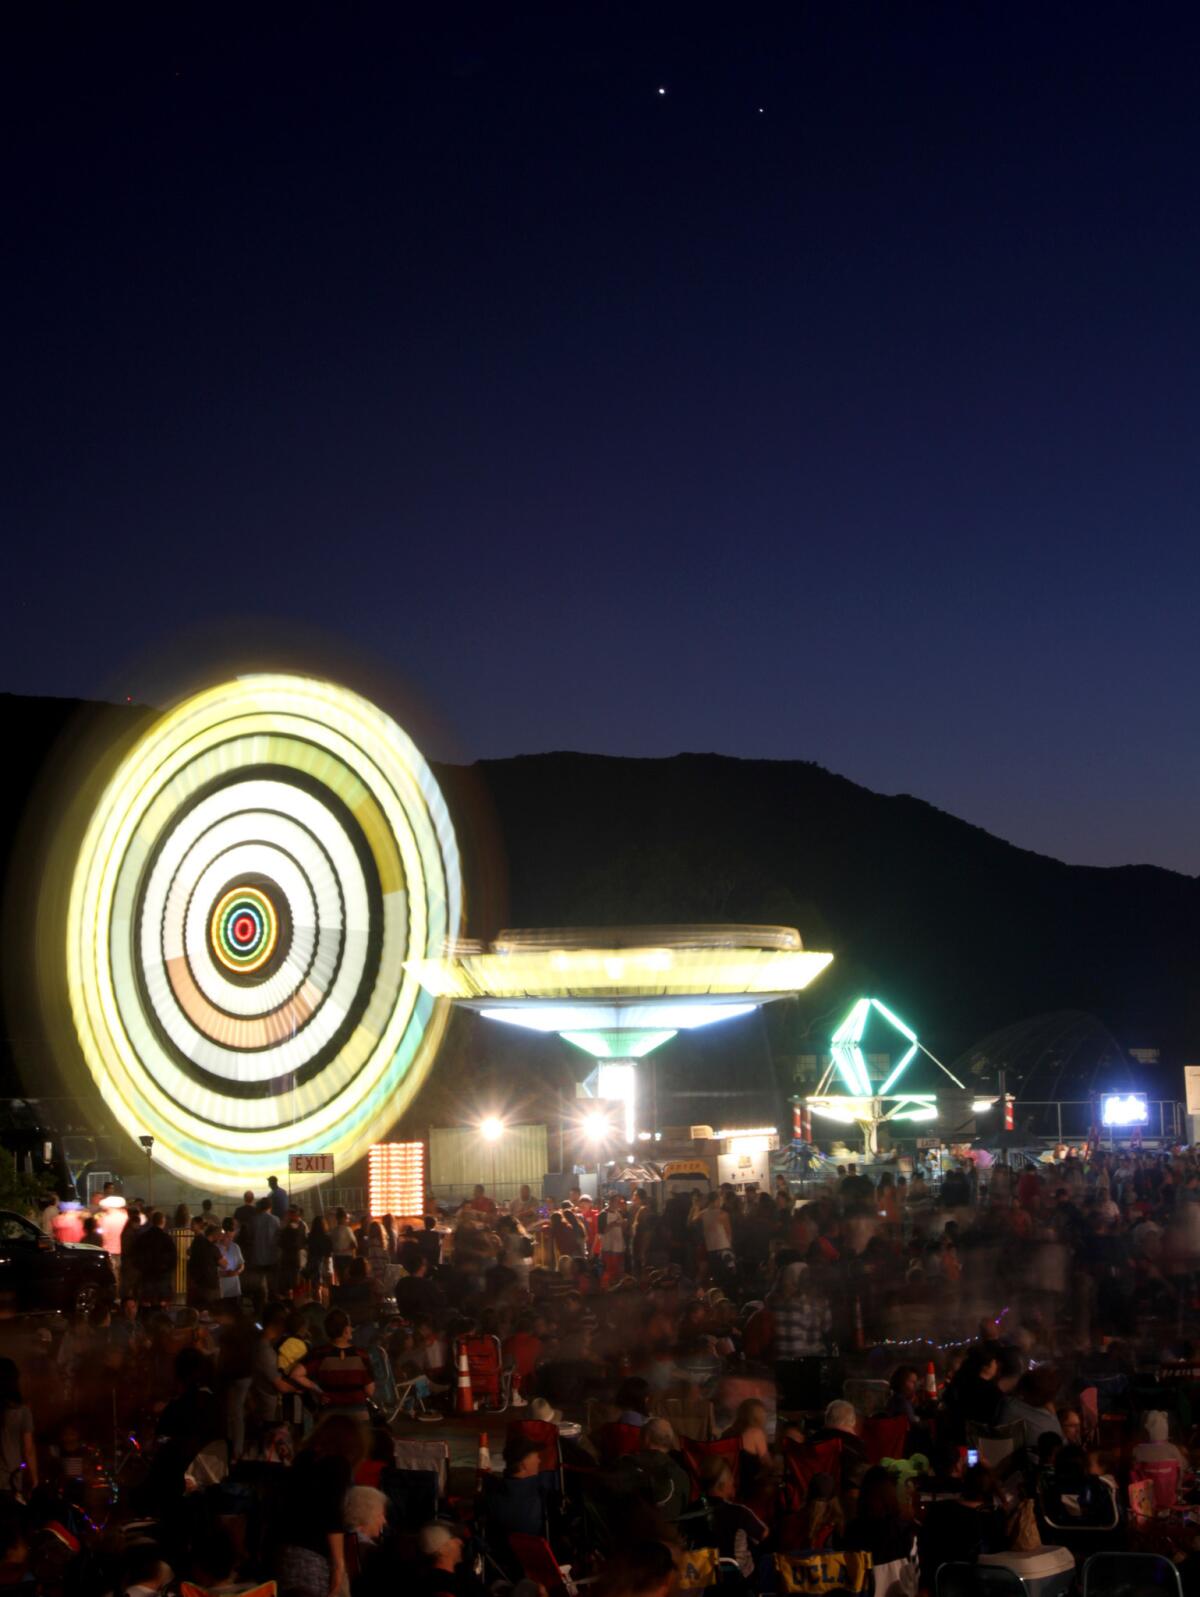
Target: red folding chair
point(490, 1381)
point(1164, 1476)
point(545, 1434)
point(616, 1441)
point(538, 1564)
point(696, 1455)
point(884, 1437)
point(803, 1460)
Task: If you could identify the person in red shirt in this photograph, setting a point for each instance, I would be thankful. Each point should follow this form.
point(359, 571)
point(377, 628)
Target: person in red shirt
point(341, 1370)
point(523, 1350)
point(481, 1204)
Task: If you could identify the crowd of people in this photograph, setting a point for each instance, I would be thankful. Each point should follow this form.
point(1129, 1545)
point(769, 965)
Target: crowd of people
point(883, 1372)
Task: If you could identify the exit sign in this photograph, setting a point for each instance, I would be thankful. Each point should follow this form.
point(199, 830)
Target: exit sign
point(310, 1164)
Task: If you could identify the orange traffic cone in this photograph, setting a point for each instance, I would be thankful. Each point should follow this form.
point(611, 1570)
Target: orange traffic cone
point(931, 1386)
point(464, 1401)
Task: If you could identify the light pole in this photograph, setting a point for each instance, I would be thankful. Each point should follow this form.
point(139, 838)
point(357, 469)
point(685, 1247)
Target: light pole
point(148, 1144)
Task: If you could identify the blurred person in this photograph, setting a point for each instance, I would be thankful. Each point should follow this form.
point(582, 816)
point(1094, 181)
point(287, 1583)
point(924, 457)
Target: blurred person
point(670, 1485)
point(800, 1320)
point(203, 1266)
point(341, 1244)
point(737, 1528)
point(18, 1450)
point(318, 1261)
point(905, 1384)
point(309, 1529)
point(1032, 1403)
point(1156, 1446)
point(880, 1525)
point(613, 1231)
point(231, 1261)
point(958, 1529)
point(341, 1370)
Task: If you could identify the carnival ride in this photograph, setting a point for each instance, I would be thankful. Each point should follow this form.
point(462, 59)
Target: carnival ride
point(870, 1100)
point(258, 871)
point(617, 993)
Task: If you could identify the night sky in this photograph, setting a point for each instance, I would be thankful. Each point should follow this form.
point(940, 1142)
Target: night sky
point(838, 403)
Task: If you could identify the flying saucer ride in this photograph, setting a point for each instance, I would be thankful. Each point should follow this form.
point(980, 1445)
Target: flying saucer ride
point(617, 993)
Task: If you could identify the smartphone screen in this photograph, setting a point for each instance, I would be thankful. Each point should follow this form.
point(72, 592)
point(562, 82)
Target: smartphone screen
point(972, 1456)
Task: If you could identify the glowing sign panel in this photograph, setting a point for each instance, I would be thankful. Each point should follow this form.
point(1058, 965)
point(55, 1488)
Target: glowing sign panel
point(256, 874)
point(396, 1178)
point(1124, 1109)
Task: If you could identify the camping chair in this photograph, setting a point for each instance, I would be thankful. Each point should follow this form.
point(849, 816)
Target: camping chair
point(615, 1441)
point(702, 1568)
point(690, 1416)
point(412, 1453)
point(550, 1466)
point(386, 1397)
point(696, 1454)
point(868, 1397)
point(1060, 1528)
point(490, 1381)
point(1130, 1575)
point(1164, 1477)
point(977, 1580)
point(884, 1437)
point(804, 1460)
point(538, 1563)
point(815, 1572)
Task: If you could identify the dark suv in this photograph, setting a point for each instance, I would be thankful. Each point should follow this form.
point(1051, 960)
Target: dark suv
point(36, 1272)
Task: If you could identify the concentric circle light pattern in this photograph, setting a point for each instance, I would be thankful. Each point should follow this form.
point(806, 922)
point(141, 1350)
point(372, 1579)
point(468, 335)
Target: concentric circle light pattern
point(256, 874)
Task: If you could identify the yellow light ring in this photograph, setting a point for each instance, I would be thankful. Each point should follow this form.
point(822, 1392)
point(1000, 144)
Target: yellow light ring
point(312, 799)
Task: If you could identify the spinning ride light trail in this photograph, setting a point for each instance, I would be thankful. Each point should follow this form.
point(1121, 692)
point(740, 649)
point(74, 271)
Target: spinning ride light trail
point(617, 993)
point(258, 870)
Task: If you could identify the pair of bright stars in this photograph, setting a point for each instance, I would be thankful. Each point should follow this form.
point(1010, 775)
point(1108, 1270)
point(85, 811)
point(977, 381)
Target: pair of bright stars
point(662, 90)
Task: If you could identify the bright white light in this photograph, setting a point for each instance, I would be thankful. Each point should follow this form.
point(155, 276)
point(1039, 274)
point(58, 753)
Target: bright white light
point(833, 1114)
point(746, 1131)
point(673, 1014)
point(750, 1145)
point(1124, 1109)
point(980, 1106)
point(596, 1126)
point(618, 1083)
point(491, 1129)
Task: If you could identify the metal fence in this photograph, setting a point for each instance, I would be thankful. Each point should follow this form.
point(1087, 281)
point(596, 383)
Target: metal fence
point(1074, 1119)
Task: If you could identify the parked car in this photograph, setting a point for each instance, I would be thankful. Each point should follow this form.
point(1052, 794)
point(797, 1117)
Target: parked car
point(36, 1272)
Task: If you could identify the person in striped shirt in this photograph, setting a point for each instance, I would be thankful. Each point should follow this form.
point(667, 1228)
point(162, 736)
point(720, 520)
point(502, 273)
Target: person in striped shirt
point(341, 1370)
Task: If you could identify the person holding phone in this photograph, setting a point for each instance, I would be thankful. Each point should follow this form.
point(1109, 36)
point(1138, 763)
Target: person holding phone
point(958, 1529)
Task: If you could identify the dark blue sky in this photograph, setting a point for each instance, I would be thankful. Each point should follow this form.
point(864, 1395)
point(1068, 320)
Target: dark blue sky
point(859, 428)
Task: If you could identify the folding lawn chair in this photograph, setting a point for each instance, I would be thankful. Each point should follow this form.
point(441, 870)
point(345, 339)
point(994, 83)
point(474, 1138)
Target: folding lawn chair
point(884, 1437)
point(490, 1381)
point(1131, 1575)
point(538, 1563)
point(697, 1454)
